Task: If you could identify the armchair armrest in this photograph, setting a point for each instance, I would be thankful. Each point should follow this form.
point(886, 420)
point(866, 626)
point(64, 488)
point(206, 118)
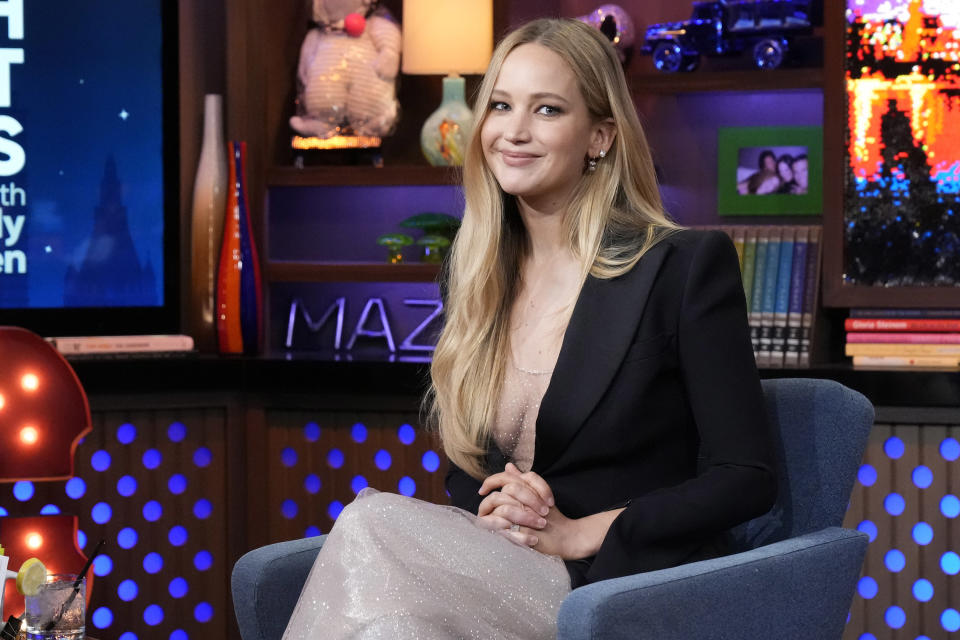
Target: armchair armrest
point(266, 584)
point(794, 589)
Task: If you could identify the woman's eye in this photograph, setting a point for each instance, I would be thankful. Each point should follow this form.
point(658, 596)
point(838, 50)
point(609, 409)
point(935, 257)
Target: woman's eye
point(549, 110)
point(498, 106)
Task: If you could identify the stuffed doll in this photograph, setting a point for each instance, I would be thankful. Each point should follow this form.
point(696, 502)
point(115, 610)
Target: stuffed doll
point(347, 72)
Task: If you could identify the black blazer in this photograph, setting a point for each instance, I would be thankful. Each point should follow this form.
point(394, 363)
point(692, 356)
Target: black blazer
point(655, 401)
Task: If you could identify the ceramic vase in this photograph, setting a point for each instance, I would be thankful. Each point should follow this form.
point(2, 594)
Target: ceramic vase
point(446, 132)
point(239, 300)
point(209, 202)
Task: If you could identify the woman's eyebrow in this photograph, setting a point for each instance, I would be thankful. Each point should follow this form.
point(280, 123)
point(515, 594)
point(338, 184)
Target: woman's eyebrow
point(540, 95)
point(543, 95)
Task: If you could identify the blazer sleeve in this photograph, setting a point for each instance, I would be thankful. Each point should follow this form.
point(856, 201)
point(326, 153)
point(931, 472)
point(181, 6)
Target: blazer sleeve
point(736, 481)
point(463, 488)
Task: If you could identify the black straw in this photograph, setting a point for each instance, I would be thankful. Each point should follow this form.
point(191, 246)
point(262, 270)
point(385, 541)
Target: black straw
point(76, 585)
point(86, 566)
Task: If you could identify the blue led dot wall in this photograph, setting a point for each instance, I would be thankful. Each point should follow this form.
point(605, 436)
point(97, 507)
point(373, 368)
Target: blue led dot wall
point(318, 463)
point(154, 486)
point(906, 500)
point(149, 485)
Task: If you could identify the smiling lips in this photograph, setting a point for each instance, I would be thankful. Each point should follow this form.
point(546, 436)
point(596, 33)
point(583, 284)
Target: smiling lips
point(517, 158)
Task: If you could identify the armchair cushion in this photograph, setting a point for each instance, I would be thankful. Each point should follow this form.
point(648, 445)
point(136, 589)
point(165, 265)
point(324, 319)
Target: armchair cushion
point(266, 584)
point(799, 588)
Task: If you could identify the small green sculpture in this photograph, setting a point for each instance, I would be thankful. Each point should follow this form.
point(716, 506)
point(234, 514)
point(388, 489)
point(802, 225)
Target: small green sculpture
point(439, 230)
point(395, 242)
point(434, 248)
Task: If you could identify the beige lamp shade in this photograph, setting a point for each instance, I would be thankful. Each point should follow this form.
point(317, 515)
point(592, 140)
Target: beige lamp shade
point(447, 36)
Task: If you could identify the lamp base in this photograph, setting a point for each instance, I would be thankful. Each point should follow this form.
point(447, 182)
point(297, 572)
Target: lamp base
point(446, 132)
point(336, 142)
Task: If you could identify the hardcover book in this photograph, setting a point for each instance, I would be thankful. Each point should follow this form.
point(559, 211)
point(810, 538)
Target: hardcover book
point(771, 271)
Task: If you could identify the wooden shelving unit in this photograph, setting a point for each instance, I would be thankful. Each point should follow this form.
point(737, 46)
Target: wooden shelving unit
point(738, 80)
point(362, 176)
point(263, 40)
point(351, 272)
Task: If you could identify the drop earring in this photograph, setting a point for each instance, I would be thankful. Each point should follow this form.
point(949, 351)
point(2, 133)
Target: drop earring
point(592, 162)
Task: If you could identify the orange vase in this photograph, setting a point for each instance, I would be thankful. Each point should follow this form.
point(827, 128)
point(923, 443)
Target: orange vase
point(239, 300)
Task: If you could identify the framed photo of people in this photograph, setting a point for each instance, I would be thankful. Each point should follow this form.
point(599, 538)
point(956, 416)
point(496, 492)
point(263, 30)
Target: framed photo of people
point(770, 171)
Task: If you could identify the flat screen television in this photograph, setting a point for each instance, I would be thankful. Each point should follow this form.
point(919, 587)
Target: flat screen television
point(88, 167)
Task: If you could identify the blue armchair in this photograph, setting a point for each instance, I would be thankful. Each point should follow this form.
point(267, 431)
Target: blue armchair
point(792, 578)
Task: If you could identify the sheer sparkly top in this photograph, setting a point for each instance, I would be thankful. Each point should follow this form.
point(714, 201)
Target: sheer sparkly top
point(523, 389)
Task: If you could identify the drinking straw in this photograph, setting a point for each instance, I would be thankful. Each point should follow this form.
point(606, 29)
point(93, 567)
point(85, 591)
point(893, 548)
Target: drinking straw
point(76, 586)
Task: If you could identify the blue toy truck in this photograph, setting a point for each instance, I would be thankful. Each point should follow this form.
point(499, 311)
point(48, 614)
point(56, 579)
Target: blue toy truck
point(729, 27)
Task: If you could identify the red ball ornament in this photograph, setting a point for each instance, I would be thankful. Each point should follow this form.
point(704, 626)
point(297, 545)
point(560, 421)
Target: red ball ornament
point(354, 24)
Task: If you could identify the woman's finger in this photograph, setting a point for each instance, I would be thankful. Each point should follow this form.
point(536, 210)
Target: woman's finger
point(536, 482)
point(515, 486)
point(527, 496)
point(495, 481)
point(494, 500)
point(523, 537)
point(540, 486)
point(495, 523)
point(518, 515)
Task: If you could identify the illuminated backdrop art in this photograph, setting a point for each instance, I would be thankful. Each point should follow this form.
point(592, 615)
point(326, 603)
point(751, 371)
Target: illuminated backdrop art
point(902, 187)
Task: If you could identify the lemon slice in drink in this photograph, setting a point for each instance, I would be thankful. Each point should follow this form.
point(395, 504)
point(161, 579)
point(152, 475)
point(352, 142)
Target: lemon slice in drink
point(31, 576)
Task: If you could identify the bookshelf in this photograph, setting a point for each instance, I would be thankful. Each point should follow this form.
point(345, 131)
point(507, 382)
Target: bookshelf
point(654, 82)
point(780, 267)
point(359, 176)
point(263, 42)
point(284, 271)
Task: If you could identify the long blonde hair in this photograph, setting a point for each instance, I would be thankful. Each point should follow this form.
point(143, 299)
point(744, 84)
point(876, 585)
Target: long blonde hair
point(614, 217)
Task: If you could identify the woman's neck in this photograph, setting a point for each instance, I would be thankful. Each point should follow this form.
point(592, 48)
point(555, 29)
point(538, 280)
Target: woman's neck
point(545, 232)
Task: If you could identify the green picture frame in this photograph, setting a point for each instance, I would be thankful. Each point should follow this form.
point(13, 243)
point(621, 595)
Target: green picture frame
point(746, 189)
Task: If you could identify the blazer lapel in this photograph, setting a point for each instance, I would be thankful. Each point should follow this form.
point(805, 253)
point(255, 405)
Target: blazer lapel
point(601, 328)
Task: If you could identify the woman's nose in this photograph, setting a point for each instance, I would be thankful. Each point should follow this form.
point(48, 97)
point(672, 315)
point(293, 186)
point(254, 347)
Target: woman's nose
point(517, 128)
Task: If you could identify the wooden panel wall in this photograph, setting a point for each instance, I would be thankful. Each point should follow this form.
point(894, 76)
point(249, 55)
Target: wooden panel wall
point(345, 451)
point(906, 474)
point(243, 457)
point(152, 483)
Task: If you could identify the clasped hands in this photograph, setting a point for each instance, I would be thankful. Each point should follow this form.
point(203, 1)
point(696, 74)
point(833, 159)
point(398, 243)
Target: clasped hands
point(525, 499)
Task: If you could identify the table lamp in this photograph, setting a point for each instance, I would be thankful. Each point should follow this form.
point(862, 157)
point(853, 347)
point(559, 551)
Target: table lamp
point(450, 37)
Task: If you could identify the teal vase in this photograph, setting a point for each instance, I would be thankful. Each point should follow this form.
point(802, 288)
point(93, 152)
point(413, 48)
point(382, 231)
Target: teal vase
point(446, 132)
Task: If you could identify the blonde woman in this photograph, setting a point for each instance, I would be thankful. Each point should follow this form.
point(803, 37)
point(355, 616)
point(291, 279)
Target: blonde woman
point(594, 385)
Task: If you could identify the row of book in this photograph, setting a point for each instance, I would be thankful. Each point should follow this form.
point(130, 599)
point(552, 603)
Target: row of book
point(780, 266)
point(903, 337)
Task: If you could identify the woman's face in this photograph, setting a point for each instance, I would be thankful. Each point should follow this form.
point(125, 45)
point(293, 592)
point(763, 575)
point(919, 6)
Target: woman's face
point(769, 162)
point(538, 130)
point(786, 172)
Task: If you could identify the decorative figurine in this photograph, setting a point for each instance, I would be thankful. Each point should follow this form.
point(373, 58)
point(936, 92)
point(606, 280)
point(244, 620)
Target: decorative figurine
point(615, 23)
point(395, 242)
point(439, 230)
point(347, 73)
point(729, 27)
point(434, 248)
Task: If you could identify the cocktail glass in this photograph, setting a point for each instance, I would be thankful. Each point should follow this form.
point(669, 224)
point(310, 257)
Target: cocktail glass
point(57, 611)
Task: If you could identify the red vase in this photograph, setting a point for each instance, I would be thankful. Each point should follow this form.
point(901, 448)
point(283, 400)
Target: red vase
point(239, 298)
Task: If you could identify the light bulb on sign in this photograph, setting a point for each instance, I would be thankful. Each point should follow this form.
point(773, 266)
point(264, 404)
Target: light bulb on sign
point(29, 435)
point(34, 541)
point(30, 382)
point(2, 401)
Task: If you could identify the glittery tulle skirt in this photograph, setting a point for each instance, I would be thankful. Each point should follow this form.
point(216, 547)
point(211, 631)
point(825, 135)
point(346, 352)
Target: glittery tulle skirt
point(396, 567)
